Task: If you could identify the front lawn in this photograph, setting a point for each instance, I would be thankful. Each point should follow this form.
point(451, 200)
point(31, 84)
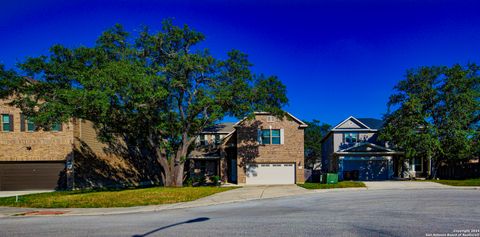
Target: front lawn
point(451, 182)
point(116, 198)
point(342, 184)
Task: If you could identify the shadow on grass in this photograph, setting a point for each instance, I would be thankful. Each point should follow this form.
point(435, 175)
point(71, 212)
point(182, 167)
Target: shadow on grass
point(200, 219)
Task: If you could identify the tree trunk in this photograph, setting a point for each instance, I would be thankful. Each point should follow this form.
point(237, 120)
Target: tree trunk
point(173, 168)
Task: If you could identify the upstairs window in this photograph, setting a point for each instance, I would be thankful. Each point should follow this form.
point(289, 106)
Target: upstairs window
point(31, 125)
point(265, 136)
point(350, 137)
point(271, 136)
point(7, 123)
point(275, 136)
point(56, 127)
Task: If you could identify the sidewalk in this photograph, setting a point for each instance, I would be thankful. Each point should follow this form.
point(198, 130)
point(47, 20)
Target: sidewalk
point(245, 193)
point(20, 193)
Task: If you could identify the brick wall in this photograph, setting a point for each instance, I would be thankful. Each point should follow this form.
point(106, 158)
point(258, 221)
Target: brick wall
point(249, 151)
point(33, 146)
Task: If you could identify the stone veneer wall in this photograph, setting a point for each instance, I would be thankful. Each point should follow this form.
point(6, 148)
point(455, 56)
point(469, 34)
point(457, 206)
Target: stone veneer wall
point(292, 151)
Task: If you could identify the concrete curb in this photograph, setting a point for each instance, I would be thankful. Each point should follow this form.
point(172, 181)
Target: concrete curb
point(192, 204)
point(141, 209)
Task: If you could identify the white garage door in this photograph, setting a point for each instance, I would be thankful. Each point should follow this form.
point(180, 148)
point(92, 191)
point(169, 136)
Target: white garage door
point(270, 174)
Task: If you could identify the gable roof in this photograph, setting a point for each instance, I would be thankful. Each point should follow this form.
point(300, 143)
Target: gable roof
point(300, 122)
point(220, 128)
point(372, 123)
point(367, 123)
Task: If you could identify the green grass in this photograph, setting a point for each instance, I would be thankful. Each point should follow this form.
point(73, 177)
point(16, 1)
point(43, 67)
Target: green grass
point(451, 182)
point(342, 184)
point(116, 198)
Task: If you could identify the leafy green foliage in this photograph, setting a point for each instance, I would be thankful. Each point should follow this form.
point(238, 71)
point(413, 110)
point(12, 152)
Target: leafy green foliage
point(152, 90)
point(435, 113)
point(313, 142)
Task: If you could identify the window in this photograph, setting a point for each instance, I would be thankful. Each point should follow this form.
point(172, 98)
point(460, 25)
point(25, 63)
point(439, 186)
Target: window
point(275, 136)
point(217, 139)
point(202, 140)
point(266, 136)
point(56, 127)
point(271, 136)
point(417, 165)
point(31, 125)
point(6, 123)
point(350, 137)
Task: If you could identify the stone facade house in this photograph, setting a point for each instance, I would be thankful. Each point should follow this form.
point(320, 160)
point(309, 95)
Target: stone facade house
point(263, 150)
point(352, 149)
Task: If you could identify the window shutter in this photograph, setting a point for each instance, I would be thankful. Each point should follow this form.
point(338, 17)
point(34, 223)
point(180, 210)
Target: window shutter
point(259, 136)
point(22, 123)
point(282, 137)
point(11, 122)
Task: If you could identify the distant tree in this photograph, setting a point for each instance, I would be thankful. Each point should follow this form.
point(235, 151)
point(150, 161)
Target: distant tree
point(313, 137)
point(157, 90)
point(435, 114)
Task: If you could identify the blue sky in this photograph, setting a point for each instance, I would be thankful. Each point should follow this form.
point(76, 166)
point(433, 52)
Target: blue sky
point(337, 58)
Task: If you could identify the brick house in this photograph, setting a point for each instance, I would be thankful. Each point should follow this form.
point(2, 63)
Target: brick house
point(66, 156)
point(263, 150)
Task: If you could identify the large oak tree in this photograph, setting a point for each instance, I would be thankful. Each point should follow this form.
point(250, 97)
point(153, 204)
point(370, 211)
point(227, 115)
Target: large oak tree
point(435, 114)
point(156, 90)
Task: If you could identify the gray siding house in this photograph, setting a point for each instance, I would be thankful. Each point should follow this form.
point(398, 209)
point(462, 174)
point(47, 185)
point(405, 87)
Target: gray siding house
point(352, 150)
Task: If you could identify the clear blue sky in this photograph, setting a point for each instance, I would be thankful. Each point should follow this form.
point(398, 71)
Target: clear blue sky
point(337, 58)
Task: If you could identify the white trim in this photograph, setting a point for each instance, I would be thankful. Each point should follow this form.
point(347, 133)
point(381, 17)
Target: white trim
point(282, 136)
point(358, 144)
point(382, 158)
point(302, 124)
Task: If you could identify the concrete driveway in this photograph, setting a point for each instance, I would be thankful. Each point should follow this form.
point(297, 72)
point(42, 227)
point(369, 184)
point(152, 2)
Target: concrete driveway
point(392, 185)
point(20, 193)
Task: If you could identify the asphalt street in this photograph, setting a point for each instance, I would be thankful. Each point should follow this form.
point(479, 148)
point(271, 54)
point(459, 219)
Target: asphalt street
point(348, 213)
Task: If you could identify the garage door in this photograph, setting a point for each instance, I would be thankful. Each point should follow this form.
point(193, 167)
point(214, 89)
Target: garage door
point(270, 173)
point(30, 175)
point(367, 169)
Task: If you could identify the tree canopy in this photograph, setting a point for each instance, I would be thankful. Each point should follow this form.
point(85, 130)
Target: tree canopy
point(435, 113)
point(313, 142)
point(157, 90)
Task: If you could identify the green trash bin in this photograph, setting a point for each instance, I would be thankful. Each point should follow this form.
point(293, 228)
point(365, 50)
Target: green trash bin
point(332, 178)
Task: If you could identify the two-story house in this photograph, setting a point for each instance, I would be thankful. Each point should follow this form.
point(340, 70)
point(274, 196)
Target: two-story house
point(263, 150)
point(352, 150)
point(67, 155)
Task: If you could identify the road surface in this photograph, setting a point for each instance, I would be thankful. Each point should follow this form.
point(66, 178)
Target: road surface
point(346, 213)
